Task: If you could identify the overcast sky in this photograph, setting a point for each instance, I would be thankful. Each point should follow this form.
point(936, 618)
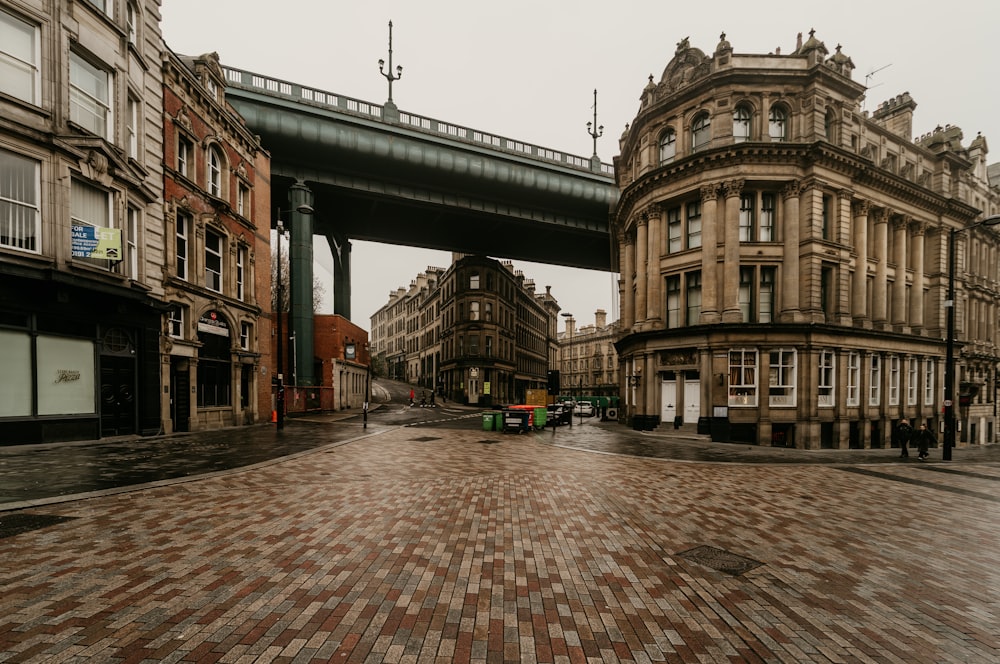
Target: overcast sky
point(527, 69)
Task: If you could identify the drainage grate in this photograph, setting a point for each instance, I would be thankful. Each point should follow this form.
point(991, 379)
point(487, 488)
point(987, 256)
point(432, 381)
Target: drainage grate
point(720, 559)
point(426, 439)
point(18, 523)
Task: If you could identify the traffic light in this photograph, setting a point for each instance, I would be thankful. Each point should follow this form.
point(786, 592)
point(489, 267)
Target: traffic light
point(553, 387)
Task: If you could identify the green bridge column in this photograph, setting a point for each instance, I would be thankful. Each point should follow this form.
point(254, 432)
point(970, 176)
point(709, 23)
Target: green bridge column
point(342, 277)
point(300, 258)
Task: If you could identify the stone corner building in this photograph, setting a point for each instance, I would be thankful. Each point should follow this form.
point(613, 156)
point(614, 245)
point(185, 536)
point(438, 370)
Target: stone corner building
point(784, 255)
point(81, 219)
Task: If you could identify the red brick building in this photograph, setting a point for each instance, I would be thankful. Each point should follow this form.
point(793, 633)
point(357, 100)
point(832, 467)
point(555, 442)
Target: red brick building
point(342, 365)
point(217, 260)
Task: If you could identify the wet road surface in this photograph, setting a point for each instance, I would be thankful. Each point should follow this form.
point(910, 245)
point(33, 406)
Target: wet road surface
point(45, 474)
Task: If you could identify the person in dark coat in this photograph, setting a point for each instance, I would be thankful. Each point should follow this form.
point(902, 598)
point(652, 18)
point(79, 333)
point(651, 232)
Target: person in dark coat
point(923, 438)
point(903, 434)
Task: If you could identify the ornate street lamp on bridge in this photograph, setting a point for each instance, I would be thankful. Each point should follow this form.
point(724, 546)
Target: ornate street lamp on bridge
point(388, 75)
point(595, 133)
point(949, 361)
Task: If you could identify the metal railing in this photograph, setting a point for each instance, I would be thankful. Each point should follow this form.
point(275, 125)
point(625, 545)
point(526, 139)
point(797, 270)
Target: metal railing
point(245, 80)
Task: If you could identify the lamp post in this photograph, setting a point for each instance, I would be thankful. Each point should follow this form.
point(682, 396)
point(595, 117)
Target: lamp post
point(595, 132)
point(280, 400)
point(388, 75)
point(949, 359)
point(633, 382)
point(570, 324)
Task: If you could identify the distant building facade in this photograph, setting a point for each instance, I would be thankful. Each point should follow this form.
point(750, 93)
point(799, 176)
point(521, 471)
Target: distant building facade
point(82, 243)
point(476, 332)
point(588, 361)
point(784, 255)
point(397, 351)
point(217, 263)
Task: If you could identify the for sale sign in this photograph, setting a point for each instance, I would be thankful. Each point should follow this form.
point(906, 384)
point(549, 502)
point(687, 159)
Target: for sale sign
point(97, 242)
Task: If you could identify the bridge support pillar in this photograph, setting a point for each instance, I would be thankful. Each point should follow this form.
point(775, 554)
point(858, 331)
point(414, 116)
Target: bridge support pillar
point(340, 247)
point(300, 256)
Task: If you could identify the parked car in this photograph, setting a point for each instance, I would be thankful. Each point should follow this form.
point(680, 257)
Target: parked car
point(558, 414)
point(585, 409)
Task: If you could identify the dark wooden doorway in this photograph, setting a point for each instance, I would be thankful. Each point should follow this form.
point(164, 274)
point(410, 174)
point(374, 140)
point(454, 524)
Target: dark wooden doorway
point(118, 404)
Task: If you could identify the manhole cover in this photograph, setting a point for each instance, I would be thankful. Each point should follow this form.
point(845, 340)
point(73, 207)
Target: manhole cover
point(425, 439)
point(18, 523)
point(720, 559)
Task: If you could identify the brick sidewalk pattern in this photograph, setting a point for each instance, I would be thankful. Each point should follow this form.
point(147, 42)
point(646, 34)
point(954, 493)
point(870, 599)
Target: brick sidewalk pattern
point(462, 546)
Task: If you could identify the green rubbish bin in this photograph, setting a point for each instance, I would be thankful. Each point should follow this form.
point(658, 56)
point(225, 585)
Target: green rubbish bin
point(541, 415)
point(488, 421)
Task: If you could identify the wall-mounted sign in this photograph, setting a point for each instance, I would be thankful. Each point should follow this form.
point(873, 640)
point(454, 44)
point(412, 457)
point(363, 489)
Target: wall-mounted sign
point(96, 242)
point(349, 351)
point(213, 323)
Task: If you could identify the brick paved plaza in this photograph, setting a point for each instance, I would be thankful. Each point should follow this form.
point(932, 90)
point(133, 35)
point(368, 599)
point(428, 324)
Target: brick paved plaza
point(439, 546)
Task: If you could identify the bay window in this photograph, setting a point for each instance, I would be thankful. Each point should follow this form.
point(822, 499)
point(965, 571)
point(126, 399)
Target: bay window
point(89, 96)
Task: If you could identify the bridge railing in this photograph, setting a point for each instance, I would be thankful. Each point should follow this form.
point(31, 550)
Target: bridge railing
point(245, 80)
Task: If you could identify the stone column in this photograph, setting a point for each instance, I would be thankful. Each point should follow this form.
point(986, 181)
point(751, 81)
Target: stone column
point(731, 267)
point(641, 268)
point(900, 225)
point(790, 281)
point(880, 290)
point(654, 282)
point(626, 242)
point(917, 289)
point(859, 296)
point(710, 223)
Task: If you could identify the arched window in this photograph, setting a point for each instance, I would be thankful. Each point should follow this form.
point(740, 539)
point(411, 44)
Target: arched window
point(741, 124)
point(668, 146)
point(777, 124)
point(701, 131)
point(829, 126)
point(216, 167)
point(214, 361)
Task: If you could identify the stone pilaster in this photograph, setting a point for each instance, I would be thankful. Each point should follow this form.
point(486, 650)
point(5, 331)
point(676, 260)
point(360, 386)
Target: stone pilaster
point(710, 223)
point(859, 297)
point(731, 266)
point(790, 280)
point(880, 289)
point(900, 226)
point(642, 267)
point(919, 229)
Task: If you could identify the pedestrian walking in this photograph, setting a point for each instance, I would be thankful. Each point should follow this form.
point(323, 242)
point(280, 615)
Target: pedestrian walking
point(902, 436)
point(923, 438)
